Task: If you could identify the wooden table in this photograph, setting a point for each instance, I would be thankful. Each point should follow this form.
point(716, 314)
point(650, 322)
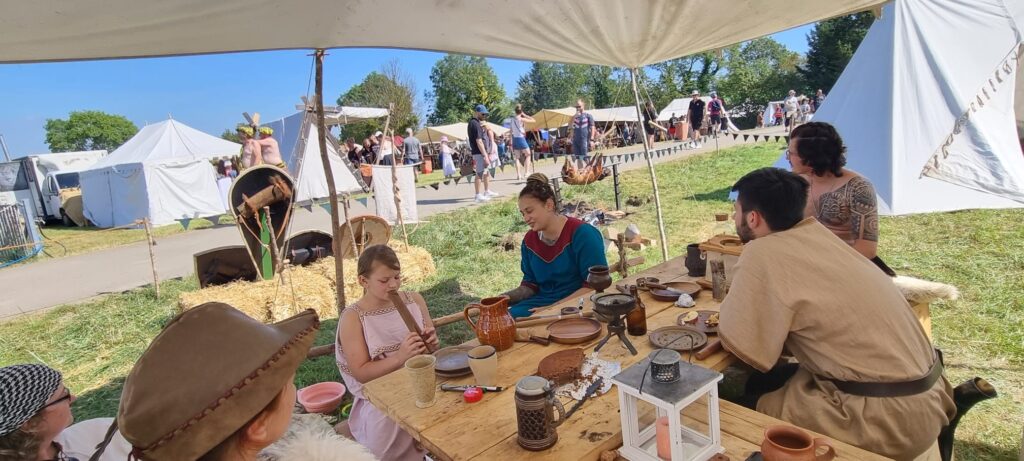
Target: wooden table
point(486, 430)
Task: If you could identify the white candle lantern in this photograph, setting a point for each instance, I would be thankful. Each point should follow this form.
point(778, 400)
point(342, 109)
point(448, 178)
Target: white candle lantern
point(685, 408)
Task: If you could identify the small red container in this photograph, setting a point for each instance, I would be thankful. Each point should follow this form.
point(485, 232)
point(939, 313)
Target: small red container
point(473, 395)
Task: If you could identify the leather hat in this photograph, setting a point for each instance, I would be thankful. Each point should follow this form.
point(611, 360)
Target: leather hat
point(207, 374)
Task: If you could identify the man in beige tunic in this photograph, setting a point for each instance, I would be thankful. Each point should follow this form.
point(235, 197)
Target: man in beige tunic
point(800, 289)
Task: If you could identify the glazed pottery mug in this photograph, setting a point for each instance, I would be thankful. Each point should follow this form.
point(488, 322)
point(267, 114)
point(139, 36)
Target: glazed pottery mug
point(483, 360)
point(535, 413)
point(421, 371)
point(787, 443)
point(695, 260)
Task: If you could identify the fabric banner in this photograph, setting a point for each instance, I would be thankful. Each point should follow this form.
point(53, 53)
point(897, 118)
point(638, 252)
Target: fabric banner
point(435, 186)
point(184, 222)
point(384, 195)
point(363, 201)
point(326, 206)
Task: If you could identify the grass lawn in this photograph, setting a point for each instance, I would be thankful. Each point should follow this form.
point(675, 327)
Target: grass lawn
point(980, 252)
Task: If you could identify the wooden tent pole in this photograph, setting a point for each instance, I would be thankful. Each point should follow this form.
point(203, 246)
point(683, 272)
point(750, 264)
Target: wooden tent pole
point(650, 169)
point(321, 125)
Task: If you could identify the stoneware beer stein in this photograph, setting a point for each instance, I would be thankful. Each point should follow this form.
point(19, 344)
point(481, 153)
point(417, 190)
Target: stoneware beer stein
point(787, 443)
point(695, 260)
point(495, 327)
point(535, 413)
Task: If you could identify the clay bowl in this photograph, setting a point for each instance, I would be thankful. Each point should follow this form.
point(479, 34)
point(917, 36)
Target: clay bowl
point(641, 282)
point(322, 397)
point(452, 359)
point(574, 330)
point(674, 289)
point(614, 305)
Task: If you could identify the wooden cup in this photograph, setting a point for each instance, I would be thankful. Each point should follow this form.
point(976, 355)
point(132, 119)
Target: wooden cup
point(421, 370)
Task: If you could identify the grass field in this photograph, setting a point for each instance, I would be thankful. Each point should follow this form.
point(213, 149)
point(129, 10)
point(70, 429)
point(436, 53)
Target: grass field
point(980, 252)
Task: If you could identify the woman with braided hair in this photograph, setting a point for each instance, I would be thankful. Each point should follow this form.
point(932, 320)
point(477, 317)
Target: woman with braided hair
point(556, 252)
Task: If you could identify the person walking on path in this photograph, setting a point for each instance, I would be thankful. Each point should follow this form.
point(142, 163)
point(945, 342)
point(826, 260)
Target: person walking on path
point(447, 163)
point(792, 107)
point(481, 162)
point(411, 146)
point(695, 114)
point(715, 109)
point(582, 134)
point(520, 148)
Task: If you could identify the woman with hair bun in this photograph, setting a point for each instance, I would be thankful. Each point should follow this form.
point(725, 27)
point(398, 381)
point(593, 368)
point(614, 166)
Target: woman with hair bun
point(556, 252)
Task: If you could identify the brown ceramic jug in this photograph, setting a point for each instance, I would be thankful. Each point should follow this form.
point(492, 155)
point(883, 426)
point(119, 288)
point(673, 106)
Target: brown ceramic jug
point(495, 327)
point(787, 443)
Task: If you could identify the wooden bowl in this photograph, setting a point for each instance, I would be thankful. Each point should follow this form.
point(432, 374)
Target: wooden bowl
point(574, 331)
point(675, 289)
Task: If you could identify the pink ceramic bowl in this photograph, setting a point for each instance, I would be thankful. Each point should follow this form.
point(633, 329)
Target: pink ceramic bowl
point(321, 397)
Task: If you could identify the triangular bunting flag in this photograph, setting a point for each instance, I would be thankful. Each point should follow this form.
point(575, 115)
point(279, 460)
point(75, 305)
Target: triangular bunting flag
point(308, 207)
point(435, 186)
point(447, 181)
point(745, 137)
point(363, 201)
point(491, 171)
point(184, 222)
point(777, 138)
point(786, 138)
point(503, 167)
point(326, 206)
point(755, 138)
point(632, 157)
point(457, 179)
point(734, 136)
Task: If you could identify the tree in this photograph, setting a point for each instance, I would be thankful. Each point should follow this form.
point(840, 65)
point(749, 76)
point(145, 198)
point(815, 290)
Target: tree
point(391, 85)
point(88, 130)
point(677, 78)
point(831, 44)
point(459, 84)
point(231, 135)
point(550, 86)
point(759, 71)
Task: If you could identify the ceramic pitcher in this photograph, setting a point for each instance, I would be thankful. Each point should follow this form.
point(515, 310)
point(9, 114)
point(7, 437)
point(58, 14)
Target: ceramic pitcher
point(495, 327)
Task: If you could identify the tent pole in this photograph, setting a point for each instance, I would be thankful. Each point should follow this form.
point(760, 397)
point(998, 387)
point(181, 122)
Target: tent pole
point(321, 125)
point(650, 169)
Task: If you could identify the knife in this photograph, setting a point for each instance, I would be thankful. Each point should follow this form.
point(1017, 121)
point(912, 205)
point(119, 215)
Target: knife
point(591, 389)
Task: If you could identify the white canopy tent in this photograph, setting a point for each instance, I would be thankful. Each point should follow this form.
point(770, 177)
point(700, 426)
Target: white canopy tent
point(296, 136)
point(769, 112)
point(163, 173)
point(343, 115)
point(454, 132)
point(614, 114)
point(903, 109)
point(681, 106)
point(551, 118)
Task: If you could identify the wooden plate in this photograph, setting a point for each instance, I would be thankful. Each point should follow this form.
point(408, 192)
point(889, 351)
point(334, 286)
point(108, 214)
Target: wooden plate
point(454, 374)
point(702, 316)
point(452, 359)
point(574, 331)
point(678, 338)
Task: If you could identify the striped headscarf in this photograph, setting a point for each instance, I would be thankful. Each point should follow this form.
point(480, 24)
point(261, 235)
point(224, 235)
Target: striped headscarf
point(24, 390)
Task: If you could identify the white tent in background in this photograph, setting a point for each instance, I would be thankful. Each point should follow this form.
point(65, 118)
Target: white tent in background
point(343, 115)
point(296, 135)
point(769, 112)
point(551, 118)
point(903, 109)
point(614, 114)
point(164, 172)
point(681, 106)
point(454, 132)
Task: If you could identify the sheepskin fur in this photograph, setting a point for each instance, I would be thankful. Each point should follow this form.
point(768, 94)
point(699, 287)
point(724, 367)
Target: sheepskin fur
point(311, 438)
point(919, 291)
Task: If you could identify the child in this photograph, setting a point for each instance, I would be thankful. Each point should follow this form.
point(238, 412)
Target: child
point(373, 341)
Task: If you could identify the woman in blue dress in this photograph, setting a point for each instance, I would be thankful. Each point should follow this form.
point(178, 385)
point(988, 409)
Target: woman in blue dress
point(556, 252)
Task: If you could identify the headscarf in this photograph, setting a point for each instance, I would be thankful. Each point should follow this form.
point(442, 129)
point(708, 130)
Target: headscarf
point(24, 390)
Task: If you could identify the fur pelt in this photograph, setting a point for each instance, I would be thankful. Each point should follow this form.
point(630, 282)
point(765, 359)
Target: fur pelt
point(919, 291)
point(311, 438)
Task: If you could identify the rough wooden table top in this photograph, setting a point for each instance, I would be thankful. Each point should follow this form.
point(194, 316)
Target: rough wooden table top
point(454, 430)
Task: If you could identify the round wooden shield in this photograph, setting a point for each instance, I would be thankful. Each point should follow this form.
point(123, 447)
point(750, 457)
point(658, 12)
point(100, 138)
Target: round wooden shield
point(365, 231)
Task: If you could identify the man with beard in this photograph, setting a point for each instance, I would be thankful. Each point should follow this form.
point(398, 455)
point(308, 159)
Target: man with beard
point(865, 372)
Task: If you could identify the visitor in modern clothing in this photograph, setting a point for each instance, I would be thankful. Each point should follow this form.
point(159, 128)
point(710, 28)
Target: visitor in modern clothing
point(819, 99)
point(411, 146)
point(522, 155)
point(650, 115)
point(556, 252)
point(583, 133)
point(841, 199)
point(385, 148)
point(673, 128)
point(481, 160)
point(792, 108)
point(866, 373)
point(355, 152)
point(715, 109)
point(695, 114)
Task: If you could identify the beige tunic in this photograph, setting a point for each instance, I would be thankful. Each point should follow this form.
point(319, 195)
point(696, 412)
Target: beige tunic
point(808, 292)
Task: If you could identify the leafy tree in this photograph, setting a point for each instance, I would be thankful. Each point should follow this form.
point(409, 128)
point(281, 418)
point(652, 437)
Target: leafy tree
point(459, 84)
point(831, 44)
point(677, 78)
point(391, 85)
point(759, 71)
point(551, 86)
point(231, 135)
point(88, 130)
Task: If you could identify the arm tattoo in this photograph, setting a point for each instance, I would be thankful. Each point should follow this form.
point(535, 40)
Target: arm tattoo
point(863, 210)
point(519, 293)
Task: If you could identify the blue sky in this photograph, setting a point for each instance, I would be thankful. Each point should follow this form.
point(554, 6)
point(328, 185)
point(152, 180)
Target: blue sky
point(209, 92)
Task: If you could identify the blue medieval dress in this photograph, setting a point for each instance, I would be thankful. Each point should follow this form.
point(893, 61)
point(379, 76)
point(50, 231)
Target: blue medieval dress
point(556, 271)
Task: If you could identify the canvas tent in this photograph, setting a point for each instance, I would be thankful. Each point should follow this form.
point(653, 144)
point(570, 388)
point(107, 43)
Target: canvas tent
point(551, 118)
point(164, 172)
point(769, 112)
point(296, 136)
point(901, 108)
point(343, 115)
point(614, 114)
point(454, 132)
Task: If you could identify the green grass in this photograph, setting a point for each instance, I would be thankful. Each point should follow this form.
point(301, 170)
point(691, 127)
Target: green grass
point(980, 252)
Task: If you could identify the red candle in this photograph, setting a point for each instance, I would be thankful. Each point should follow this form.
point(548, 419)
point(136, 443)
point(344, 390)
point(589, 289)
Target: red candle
point(664, 442)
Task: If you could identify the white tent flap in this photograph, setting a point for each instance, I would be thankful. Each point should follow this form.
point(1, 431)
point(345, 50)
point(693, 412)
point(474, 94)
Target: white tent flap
point(384, 196)
point(296, 136)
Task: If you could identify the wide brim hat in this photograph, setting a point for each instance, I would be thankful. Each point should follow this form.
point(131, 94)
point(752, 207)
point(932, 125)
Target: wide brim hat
point(206, 375)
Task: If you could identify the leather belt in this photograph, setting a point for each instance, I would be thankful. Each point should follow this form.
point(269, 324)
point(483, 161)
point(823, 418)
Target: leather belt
point(895, 389)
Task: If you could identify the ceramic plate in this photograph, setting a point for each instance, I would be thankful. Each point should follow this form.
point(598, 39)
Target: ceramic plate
point(678, 338)
point(701, 323)
point(452, 359)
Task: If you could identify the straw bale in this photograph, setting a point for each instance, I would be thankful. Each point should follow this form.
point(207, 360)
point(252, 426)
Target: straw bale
point(298, 288)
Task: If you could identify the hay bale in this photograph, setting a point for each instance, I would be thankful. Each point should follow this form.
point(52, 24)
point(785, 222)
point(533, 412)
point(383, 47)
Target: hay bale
point(302, 287)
